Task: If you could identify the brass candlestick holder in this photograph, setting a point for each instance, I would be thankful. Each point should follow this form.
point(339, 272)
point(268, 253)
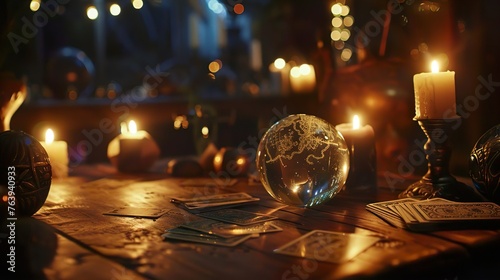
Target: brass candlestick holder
point(438, 182)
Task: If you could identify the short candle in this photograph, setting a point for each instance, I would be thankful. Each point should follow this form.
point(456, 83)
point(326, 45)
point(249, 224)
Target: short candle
point(58, 154)
point(360, 141)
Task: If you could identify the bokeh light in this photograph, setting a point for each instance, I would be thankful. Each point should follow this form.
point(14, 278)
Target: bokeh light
point(238, 9)
point(346, 54)
point(348, 21)
point(336, 9)
point(92, 12)
point(279, 63)
point(336, 22)
point(35, 5)
point(115, 9)
point(137, 4)
point(335, 35)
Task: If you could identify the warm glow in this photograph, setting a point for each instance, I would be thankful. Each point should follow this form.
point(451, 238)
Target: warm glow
point(335, 35)
point(348, 21)
point(434, 66)
point(337, 22)
point(344, 10)
point(5, 198)
point(345, 34)
point(238, 9)
point(204, 131)
point(214, 67)
point(336, 9)
point(346, 54)
point(115, 9)
point(295, 72)
point(356, 122)
point(305, 69)
point(35, 5)
point(132, 127)
point(279, 63)
point(49, 136)
point(240, 161)
point(137, 4)
point(92, 12)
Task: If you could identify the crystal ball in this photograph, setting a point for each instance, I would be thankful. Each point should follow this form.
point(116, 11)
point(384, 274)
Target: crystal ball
point(484, 164)
point(302, 161)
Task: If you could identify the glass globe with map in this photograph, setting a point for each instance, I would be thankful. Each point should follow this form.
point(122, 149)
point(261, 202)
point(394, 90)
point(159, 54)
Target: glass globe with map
point(303, 161)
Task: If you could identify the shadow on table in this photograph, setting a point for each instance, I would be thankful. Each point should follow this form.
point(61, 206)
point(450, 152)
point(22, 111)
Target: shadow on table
point(27, 246)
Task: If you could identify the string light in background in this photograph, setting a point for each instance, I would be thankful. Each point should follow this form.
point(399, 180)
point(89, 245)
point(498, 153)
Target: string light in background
point(341, 22)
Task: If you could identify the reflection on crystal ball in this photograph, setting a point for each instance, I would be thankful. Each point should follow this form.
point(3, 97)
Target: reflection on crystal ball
point(303, 161)
point(484, 164)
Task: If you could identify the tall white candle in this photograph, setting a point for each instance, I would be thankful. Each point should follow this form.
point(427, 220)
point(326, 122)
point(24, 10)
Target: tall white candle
point(435, 94)
point(58, 154)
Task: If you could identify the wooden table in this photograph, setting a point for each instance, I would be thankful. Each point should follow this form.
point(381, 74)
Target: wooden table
point(70, 238)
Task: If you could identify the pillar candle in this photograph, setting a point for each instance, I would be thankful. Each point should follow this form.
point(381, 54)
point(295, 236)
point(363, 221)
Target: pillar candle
point(133, 150)
point(303, 79)
point(58, 154)
point(435, 94)
point(360, 141)
point(279, 71)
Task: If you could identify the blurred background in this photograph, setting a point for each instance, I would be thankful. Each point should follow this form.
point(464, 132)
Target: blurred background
point(195, 72)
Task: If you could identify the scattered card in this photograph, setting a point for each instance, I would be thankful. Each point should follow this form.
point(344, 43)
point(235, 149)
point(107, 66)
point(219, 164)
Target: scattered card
point(222, 229)
point(214, 201)
point(236, 216)
point(212, 240)
point(328, 246)
point(137, 212)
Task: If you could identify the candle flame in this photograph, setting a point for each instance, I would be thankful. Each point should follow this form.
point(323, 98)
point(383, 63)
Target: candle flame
point(434, 66)
point(132, 127)
point(49, 136)
point(123, 128)
point(356, 124)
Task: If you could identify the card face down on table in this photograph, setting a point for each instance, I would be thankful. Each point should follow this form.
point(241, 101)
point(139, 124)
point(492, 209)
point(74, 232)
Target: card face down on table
point(212, 202)
point(328, 246)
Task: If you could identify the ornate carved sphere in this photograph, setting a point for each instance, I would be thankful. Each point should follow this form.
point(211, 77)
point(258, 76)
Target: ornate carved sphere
point(484, 164)
point(25, 174)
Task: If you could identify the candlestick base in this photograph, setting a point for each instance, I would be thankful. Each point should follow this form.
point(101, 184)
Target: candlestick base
point(447, 188)
point(438, 182)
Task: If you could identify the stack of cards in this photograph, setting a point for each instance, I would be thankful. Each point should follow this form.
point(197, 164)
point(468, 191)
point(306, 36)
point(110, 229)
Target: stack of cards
point(224, 227)
point(212, 202)
point(437, 214)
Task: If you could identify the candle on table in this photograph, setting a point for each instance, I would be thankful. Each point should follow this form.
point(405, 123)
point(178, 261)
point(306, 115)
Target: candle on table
point(58, 154)
point(280, 76)
point(303, 78)
point(360, 141)
point(133, 150)
point(435, 94)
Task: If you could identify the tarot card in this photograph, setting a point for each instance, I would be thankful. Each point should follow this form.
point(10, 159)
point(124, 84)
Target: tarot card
point(207, 226)
point(190, 232)
point(221, 229)
point(218, 200)
point(458, 211)
point(328, 246)
point(212, 240)
point(236, 216)
point(383, 206)
point(138, 212)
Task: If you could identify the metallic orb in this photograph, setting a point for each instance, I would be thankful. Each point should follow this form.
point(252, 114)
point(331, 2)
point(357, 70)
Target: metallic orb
point(303, 161)
point(26, 174)
point(484, 164)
